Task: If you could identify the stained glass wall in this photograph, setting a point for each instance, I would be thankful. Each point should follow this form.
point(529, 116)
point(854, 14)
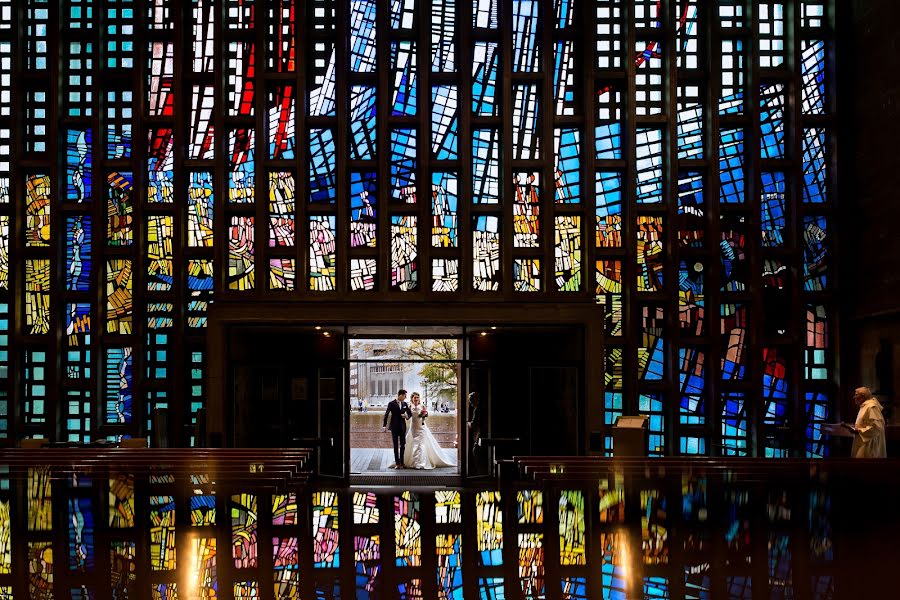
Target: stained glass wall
point(667, 165)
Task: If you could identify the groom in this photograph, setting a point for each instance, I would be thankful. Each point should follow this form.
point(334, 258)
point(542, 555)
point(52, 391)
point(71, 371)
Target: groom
point(396, 408)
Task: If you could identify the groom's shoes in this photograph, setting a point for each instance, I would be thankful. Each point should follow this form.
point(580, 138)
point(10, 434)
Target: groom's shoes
point(394, 466)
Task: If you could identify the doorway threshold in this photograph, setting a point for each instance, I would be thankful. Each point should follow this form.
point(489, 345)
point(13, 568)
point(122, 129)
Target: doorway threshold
point(404, 480)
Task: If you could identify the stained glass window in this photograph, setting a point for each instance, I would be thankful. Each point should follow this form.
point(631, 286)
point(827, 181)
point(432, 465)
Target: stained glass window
point(154, 160)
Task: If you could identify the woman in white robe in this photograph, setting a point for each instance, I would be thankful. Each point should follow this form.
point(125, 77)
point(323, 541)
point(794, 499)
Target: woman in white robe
point(868, 438)
point(422, 450)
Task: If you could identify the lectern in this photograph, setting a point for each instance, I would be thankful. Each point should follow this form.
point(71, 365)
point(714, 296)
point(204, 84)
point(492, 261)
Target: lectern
point(630, 436)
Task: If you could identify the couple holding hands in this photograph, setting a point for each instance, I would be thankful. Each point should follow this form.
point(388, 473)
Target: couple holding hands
point(414, 447)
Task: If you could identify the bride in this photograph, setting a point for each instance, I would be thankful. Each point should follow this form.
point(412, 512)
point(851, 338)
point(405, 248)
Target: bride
point(422, 450)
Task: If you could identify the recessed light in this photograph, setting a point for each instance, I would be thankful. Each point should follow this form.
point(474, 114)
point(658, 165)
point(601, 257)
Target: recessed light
point(493, 327)
point(318, 327)
point(483, 333)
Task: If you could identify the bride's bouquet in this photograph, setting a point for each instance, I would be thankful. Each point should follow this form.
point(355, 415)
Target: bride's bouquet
point(423, 413)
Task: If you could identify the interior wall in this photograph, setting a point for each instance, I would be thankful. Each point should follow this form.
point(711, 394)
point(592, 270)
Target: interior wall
point(869, 108)
point(535, 385)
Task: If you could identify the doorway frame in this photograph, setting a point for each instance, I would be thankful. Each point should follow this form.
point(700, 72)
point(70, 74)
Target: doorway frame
point(470, 316)
point(462, 383)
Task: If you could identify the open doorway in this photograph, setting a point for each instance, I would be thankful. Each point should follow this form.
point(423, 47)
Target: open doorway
point(430, 370)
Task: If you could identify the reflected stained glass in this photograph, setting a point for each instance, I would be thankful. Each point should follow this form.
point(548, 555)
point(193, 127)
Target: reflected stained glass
point(325, 530)
point(407, 530)
point(654, 528)
point(123, 570)
point(572, 544)
point(121, 501)
point(203, 576)
point(531, 564)
point(244, 530)
point(203, 510)
point(40, 509)
point(489, 528)
point(530, 506)
point(162, 533)
point(365, 508)
point(284, 509)
point(367, 559)
point(286, 562)
point(5, 539)
point(449, 566)
point(447, 507)
point(40, 570)
point(81, 535)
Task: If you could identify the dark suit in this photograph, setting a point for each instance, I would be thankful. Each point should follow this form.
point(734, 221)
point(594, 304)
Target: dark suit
point(398, 426)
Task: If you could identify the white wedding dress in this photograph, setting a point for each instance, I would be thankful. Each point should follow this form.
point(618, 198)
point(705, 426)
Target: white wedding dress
point(422, 450)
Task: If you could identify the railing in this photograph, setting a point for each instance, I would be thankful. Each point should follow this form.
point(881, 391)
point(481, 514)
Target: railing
point(250, 523)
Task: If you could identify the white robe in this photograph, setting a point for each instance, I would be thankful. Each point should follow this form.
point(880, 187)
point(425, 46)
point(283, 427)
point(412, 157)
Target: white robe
point(422, 450)
point(869, 439)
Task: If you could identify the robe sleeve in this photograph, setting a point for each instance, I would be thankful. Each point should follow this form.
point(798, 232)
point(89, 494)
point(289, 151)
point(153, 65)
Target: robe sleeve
point(871, 425)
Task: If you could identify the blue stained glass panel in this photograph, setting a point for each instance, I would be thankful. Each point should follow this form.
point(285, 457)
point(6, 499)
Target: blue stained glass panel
point(526, 23)
point(362, 35)
point(403, 72)
point(362, 122)
point(322, 167)
point(772, 206)
point(567, 151)
point(486, 166)
point(81, 535)
point(118, 386)
point(815, 253)
point(771, 121)
point(78, 253)
point(731, 166)
point(363, 198)
point(403, 165)
point(485, 70)
point(444, 121)
point(79, 173)
point(814, 166)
